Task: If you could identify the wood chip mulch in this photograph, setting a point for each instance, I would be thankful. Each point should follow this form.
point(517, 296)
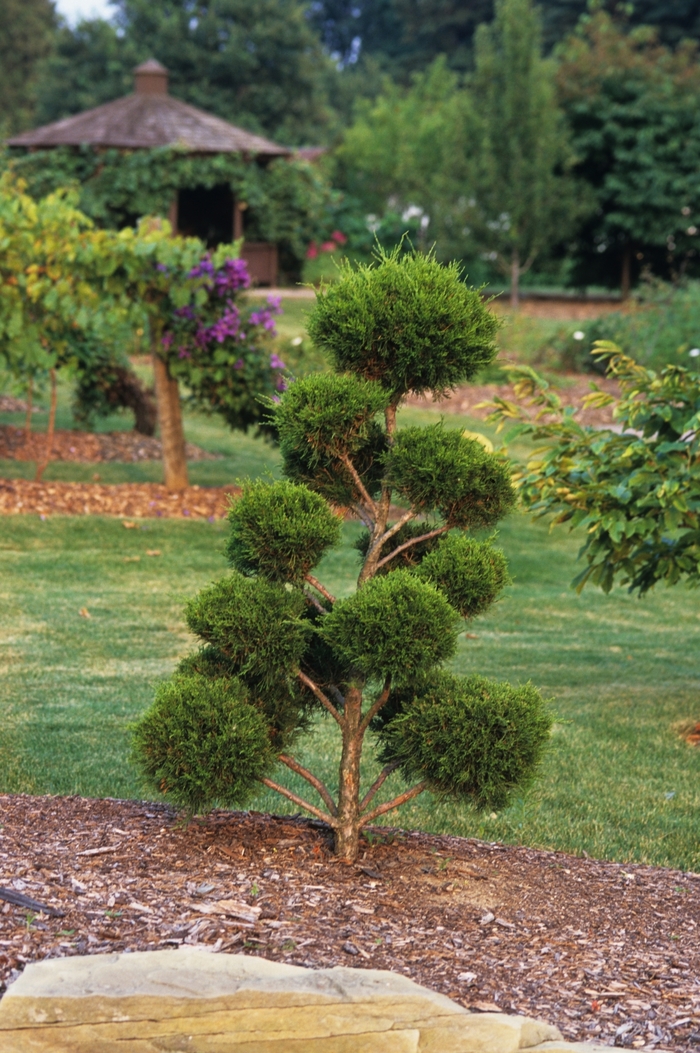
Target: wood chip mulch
point(606, 951)
point(89, 447)
point(466, 399)
point(20, 496)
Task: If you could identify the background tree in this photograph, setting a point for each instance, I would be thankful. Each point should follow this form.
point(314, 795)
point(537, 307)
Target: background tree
point(258, 65)
point(278, 646)
point(636, 491)
point(26, 32)
point(408, 152)
point(524, 198)
point(631, 106)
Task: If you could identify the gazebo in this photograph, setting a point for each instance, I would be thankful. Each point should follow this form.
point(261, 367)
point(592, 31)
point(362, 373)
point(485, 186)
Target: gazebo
point(151, 118)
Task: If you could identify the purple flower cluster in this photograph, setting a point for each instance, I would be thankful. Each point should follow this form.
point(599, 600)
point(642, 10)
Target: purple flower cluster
point(198, 329)
point(228, 279)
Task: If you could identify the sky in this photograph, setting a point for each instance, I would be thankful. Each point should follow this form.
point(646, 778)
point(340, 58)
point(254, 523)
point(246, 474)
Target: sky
point(74, 10)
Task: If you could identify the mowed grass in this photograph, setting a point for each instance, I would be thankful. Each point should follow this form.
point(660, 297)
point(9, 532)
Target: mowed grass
point(618, 782)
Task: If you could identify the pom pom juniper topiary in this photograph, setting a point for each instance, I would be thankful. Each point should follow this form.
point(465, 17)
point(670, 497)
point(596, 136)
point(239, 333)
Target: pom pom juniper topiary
point(280, 647)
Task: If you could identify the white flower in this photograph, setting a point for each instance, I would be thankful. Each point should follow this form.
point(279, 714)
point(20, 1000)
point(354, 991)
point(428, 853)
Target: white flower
point(694, 352)
point(579, 334)
point(297, 340)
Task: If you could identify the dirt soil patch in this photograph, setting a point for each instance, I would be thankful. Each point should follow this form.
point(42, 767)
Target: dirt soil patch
point(89, 447)
point(605, 951)
point(20, 496)
point(467, 398)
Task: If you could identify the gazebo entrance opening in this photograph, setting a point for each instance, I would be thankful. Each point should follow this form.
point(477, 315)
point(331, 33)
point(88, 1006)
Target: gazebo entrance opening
point(206, 213)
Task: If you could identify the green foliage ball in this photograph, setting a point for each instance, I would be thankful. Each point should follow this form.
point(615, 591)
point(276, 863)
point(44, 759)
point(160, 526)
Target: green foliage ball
point(328, 414)
point(202, 744)
point(394, 625)
point(439, 470)
point(324, 418)
point(282, 703)
point(471, 573)
point(280, 531)
point(257, 624)
point(406, 321)
point(470, 737)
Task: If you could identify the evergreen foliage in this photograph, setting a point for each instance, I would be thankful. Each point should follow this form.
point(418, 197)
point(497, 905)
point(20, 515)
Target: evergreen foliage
point(255, 623)
point(297, 651)
point(396, 626)
point(408, 322)
point(469, 737)
point(469, 572)
point(280, 531)
point(442, 471)
point(201, 743)
point(26, 31)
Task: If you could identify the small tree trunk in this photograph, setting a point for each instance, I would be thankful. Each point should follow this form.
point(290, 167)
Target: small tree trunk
point(515, 278)
point(41, 468)
point(28, 418)
point(172, 436)
point(626, 276)
point(347, 832)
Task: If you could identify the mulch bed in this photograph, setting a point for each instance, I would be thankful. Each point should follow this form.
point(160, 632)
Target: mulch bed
point(89, 447)
point(605, 951)
point(467, 398)
point(20, 496)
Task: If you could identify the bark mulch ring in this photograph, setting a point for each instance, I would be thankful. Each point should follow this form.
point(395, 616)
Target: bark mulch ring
point(466, 399)
point(89, 447)
point(605, 951)
point(19, 496)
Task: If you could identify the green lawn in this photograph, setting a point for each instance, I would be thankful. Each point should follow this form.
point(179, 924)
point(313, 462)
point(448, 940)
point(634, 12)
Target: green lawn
point(623, 673)
point(618, 782)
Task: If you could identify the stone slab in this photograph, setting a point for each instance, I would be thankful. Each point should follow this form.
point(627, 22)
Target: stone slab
point(191, 1000)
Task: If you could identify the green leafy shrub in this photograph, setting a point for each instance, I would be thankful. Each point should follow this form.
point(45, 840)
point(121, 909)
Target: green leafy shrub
point(292, 648)
point(396, 626)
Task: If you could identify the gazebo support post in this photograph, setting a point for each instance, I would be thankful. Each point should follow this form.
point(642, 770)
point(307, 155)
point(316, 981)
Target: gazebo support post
point(172, 435)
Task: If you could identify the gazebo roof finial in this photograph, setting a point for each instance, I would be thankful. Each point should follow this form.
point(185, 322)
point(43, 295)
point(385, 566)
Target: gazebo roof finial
point(151, 78)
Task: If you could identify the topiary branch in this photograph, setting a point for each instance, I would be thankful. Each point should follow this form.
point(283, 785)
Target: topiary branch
point(300, 801)
point(378, 704)
point(315, 602)
point(412, 541)
point(405, 518)
point(379, 781)
point(323, 699)
point(320, 588)
point(311, 779)
point(369, 502)
point(396, 803)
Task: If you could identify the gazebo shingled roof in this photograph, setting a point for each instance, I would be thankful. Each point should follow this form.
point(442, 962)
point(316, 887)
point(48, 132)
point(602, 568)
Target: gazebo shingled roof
point(150, 118)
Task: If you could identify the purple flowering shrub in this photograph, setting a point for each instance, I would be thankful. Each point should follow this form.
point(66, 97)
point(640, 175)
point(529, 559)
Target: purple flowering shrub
point(219, 346)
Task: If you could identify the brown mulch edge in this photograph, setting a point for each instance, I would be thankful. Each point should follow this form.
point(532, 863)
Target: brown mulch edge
point(466, 399)
point(606, 951)
point(20, 496)
point(85, 447)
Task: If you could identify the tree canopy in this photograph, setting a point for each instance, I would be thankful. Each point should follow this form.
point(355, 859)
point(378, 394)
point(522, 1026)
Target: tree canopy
point(26, 37)
point(258, 65)
point(631, 105)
